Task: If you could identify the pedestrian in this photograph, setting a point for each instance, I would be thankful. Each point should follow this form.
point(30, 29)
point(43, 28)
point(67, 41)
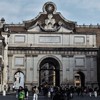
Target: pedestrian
point(18, 91)
point(78, 90)
point(81, 91)
point(71, 91)
point(57, 96)
point(95, 92)
point(26, 92)
point(90, 91)
point(35, 93)
point(51, 91)
point(68, 94)
point(21, 94)
point(13, 88)
point(8, 88)
point(49, 94)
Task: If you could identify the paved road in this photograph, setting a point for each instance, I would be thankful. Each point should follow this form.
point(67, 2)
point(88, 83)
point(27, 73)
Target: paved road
point(13, 97)
point(86, 97)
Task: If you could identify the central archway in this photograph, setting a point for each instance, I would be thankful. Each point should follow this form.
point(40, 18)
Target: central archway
point(49, 72)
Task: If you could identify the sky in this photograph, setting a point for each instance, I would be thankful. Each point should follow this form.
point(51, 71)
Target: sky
point(81, 11)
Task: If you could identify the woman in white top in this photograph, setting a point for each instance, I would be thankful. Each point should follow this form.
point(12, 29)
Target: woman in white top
point(35, 93)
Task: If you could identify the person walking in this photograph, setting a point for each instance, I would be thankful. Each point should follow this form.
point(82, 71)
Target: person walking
point(26, 92)
point(95, 92)
point(90, 91)
point(57, 96)
point(51, 91)
point(21, 94)
point(35, 93)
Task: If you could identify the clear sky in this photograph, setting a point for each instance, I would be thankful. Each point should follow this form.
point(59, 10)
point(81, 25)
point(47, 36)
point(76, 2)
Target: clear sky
point(81, 11)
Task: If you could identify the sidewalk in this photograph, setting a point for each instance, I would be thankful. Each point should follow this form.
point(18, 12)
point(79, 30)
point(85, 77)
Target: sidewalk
point(8, 93)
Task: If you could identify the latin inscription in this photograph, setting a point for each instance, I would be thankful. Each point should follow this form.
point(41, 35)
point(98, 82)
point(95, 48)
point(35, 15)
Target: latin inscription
point(49, 39)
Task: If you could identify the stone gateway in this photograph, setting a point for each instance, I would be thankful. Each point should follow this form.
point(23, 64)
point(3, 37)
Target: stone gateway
point(50, 49)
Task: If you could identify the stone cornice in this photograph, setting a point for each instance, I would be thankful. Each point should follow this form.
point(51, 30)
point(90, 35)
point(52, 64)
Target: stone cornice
point(53, 49)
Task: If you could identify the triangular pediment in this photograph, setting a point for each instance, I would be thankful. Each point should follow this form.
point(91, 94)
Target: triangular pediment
point(49, 20)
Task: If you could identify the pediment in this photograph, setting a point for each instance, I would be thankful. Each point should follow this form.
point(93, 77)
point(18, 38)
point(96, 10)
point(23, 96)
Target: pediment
point(63, 29)
point(34, 29)
point(37, 28)
point(49, 20)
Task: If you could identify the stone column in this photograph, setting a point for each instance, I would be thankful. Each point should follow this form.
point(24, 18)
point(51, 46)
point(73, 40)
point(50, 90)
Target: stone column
point(35, 72)
point(5, 73)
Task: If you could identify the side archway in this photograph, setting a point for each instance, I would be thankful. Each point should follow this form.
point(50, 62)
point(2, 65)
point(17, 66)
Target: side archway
point(19, 79)
point(82, 78)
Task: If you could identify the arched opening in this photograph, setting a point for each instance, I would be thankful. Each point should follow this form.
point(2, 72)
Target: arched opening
point(49, 72)
point(82, 78)
point(18, 79)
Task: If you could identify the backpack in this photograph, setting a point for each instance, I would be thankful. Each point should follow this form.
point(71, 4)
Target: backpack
point(21, 95)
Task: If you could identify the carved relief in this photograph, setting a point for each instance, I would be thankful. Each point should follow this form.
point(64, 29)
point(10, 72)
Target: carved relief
point(49, 23)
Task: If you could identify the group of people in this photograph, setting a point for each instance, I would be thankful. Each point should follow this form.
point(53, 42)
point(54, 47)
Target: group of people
point(23, 93)
point(57, 93)
point(68, 92)
point(63, 93)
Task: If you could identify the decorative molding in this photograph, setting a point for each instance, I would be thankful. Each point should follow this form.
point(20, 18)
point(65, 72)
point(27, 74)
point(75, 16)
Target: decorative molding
point(64, 52)
point(19, 68)
point(34, 55)
point(28, 82)
point(10, 55)
point(79, 68)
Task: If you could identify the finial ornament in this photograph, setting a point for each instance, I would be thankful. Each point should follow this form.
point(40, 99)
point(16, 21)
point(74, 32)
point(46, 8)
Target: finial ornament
point(49, 7)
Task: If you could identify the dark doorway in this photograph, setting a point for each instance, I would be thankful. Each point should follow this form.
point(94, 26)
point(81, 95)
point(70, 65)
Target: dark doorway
point(49, 72)
point(82, 78)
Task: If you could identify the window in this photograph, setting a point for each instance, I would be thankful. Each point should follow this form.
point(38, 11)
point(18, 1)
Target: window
point(79, 62)
point(19, 61)
point(19, 38)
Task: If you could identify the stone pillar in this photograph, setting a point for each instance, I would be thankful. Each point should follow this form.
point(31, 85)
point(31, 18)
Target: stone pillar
point(35, 78)
point(4, 50)
point(5, 73)
point(29, 69)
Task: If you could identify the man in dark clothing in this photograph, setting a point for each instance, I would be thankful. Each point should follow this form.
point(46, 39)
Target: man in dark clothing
point(78, 91)
point(26, 92)
point(68, 94)
point(58, 96)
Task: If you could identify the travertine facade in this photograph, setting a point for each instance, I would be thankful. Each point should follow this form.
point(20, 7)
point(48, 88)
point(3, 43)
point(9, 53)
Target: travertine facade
point(50, 39)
